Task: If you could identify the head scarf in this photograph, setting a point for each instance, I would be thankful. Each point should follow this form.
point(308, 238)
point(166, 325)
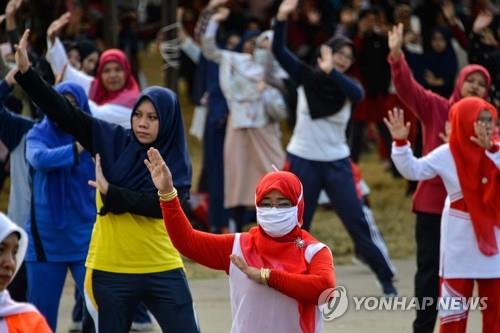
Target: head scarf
point(478, 176)
point(127, 96)
point(323, 94)
point(67, 184)
point(8, 306)
point(123, 155)
point(443, 64)
point(462, 76)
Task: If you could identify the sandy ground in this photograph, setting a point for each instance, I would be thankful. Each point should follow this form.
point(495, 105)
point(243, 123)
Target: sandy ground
point(211, 297)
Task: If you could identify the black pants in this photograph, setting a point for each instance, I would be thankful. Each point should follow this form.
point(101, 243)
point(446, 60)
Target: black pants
point(165, 294)
point(427, 234)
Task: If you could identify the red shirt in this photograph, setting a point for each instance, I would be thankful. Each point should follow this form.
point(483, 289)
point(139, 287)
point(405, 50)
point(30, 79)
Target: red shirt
point(213, 251)
point(431, 110)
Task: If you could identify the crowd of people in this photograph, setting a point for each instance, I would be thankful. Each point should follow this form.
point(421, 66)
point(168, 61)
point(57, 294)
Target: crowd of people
point(101, 177)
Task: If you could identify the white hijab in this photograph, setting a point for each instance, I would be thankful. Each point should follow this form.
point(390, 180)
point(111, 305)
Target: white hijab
point(8, 306)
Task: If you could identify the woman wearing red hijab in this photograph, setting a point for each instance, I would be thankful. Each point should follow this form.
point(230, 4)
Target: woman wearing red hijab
point(277, 271)
point(432, 111)
point(469, 166)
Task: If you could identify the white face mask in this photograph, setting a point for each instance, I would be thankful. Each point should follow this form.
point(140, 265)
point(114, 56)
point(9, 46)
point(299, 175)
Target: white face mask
point(277, 222)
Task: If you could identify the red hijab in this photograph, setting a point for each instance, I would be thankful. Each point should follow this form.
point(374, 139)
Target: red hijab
point(127, 96)
point(287, 252)
point(479, 177)
point(462, 76)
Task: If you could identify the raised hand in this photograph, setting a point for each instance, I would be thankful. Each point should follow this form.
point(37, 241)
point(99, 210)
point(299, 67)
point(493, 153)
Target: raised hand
point(445, 136)
point(12, 7)
point(22, 60)
point(484, 135)
point(251, 272)
point(395, 40)
point(482, 20)
point(56, 26)
point(100, 183)
point(9, 78)
point(213, 4)
point(448, 10)
point(160, 173)
point(286, 8)
point(325, 61)
point(221, 15)
point(396, 124)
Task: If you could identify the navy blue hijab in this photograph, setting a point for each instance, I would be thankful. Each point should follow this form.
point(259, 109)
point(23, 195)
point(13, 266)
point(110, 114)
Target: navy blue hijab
point(122, 155)
point(68, 184)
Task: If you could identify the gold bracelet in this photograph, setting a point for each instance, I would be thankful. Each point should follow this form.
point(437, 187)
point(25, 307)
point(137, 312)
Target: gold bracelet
point(265, 273)
point(168, 196)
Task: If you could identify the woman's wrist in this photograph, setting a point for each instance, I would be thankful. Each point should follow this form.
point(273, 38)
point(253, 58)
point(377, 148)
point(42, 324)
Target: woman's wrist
point(265, 274)
point(168, 195)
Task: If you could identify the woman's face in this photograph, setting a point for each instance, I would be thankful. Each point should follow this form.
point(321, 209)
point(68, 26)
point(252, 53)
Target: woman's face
point(474, 85)
point(8, 250)
point(275, 199)
point(232, 42)
point(249, 45)
point(145, 123)
point(74, 58)
point(90, 62)
point(113, 76)
point(343, 59)
point(438, 42)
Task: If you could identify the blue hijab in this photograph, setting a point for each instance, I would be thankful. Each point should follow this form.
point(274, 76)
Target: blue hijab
point(69, 184)
point(122, 156)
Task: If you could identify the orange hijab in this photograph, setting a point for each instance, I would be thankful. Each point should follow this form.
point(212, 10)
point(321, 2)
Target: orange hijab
point(479, 177)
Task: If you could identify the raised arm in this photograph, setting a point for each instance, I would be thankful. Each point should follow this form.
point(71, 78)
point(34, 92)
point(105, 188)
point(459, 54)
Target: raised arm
point(55, 106)
point(408, 89)
point(207, 249)
point(407, 164)
point(284, 56)
point(209, 46)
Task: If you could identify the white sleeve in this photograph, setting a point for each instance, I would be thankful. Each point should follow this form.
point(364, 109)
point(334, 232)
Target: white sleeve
point(71, 74)
point(56, 56)
point(495, 157)
point(208, 44)
point(191, 49)
point(112, 113)
point(409, 166)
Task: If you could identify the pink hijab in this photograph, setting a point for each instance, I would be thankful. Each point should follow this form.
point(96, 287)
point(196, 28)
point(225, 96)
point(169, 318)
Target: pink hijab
point(127, 96)
point(462, 76)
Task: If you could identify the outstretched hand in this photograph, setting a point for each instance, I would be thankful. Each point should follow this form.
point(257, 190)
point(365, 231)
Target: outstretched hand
point(396, 124)
point(484, 135)
point(395, 40)
point(100, 183)
point(325, 61)
point(286, 8)
point(22, 60)
point(160, 173)
point(221, 15)
point(251, 272)
point(56, 26)
point(9, 78)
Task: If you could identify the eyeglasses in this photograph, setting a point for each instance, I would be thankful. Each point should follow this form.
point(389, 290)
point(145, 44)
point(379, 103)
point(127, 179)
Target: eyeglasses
point(281, 204)
point(346, 56)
